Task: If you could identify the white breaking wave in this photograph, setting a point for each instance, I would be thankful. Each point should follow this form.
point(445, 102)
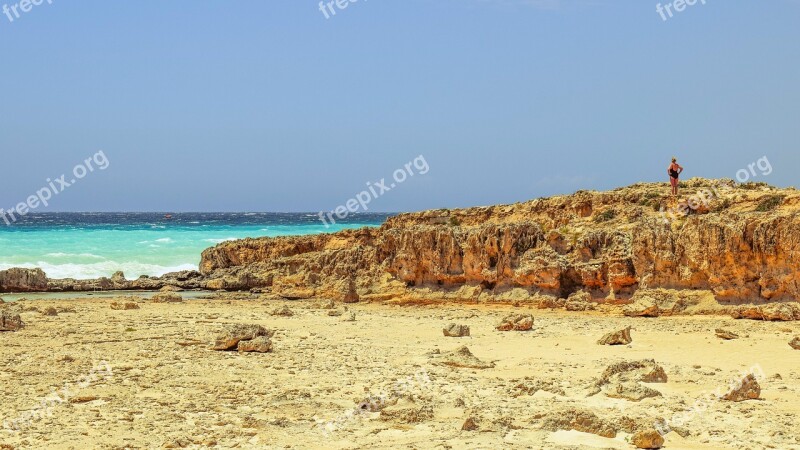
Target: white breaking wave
point(219, 241)
point(70, 255)
point(132, 270)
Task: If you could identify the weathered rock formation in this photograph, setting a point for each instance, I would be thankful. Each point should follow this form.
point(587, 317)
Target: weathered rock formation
point(610, 245)
point(736, 249)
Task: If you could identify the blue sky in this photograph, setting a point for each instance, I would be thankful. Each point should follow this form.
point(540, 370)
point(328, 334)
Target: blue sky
point(268, 106)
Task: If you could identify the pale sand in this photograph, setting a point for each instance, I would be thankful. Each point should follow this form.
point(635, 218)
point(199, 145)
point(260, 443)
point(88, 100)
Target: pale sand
point(162, 393)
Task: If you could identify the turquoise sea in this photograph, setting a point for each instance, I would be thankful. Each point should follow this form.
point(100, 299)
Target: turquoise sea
point(92, 245)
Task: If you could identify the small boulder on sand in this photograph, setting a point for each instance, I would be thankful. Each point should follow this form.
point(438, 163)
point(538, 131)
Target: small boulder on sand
point(795, 343)
point(124, 306)
point(167, 297)
point(10, 321)
point(260, 344)
point(621, 337)
point(642, 307)
point(453, 330)
point(747, 389)
point(648, 439)
point(50, 311)
point(621, 380)
point(283, 311)
point(516, 322)
point(462, 357)
point(230, 338)
point(725, 334)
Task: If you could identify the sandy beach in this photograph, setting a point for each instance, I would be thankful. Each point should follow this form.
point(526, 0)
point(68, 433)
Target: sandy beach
point(372, 376)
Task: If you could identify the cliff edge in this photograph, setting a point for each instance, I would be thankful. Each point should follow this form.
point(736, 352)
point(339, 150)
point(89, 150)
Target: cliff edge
point(720, 241)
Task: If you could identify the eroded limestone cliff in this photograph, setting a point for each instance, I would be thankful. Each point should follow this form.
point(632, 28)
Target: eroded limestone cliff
point(738, 243)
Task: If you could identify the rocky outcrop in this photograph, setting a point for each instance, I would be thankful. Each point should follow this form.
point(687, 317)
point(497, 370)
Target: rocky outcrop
point(462, 357)
point(234, 334)
point(454, 330)
point(621, 337)
point(516, 322)
point(10, 321)
point(22, 280)
point(747, 389)
point(708, 261)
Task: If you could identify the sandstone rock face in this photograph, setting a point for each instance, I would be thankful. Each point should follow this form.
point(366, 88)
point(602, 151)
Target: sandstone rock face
point(453, 330)
point(230, 338)
point(10, 321)
point(774, 312)
point(747, 389)
point(648, 439)
point(621, 337)
point(516, 322)
point(22, 280)
point(555, 246)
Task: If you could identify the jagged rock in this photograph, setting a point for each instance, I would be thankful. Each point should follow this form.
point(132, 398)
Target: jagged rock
point(167, 297)
point(350, 294)
point(335, 312)
point(795, 343)
point(630, 390)
point(516, 322)
point(621, 337)
point(471, 424)
point(236, 333)
point(650, 439)
point(259, 344)
point(579, 301)
point(23, 280)
point(124, 306)
point(10, 321)
point(118, 277)
point(50, 311)
point(646, 370)
point(725, 334)
point(462, 357)
point(621, 380)
point(747, 389)
point(453, 330)
point(283, 311)
point(642, 307)
point(580, 420)
point(772, 312)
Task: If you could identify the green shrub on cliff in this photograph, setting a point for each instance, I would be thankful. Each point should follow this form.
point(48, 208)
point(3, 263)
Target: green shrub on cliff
point(769, 203)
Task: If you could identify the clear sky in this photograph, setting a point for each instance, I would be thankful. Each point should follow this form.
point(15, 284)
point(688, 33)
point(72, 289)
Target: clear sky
point(268, 106)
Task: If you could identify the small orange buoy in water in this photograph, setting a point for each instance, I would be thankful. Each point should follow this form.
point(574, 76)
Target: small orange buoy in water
point(168, 216)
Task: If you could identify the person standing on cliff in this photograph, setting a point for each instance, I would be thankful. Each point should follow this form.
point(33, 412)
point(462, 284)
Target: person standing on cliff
point(674, 172)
